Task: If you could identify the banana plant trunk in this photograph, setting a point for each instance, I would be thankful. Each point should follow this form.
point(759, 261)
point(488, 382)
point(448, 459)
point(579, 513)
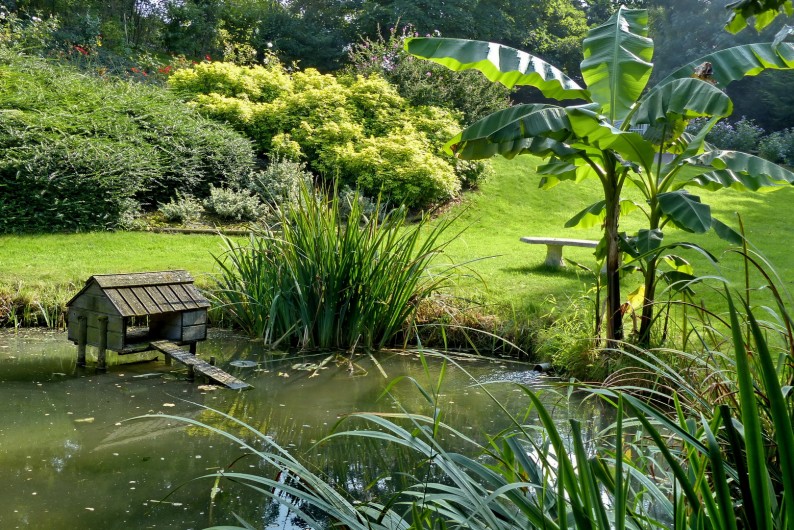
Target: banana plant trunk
point(646, 318)
point(614, 313)
point(649, 295)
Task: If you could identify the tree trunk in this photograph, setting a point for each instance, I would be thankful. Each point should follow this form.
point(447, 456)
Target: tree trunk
point(649, 296)
point(614, 314)
point(646, 319)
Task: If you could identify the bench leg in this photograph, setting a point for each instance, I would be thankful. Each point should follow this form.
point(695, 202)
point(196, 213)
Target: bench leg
point(554, 256)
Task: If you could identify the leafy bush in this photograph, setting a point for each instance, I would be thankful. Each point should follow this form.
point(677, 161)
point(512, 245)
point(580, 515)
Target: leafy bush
point(413, 176)
point(184, 208)
point(744, 135)
point(280, 183)
point(568, 341)
point(365, 206)
point(257, 83)
point(778, 147)
point(423, 83)
point(354, 129)
point(24, 33)
point(74, 150)
point(314, 281)
point(233, 205)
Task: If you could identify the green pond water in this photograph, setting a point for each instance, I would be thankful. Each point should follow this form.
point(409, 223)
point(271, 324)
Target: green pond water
point(73, 456)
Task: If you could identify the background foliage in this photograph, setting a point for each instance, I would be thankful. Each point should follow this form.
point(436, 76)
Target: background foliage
point(356, 129)
point(79, 153)
point(422, 83)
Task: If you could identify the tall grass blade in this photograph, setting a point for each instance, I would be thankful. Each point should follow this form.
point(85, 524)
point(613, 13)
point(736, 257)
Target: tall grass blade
point(756, 463)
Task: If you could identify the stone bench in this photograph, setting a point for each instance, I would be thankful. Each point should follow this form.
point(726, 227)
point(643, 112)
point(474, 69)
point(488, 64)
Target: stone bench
point(554, 247)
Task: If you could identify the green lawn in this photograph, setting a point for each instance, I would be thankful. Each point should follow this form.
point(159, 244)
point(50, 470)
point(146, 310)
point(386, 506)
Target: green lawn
point(508, 206)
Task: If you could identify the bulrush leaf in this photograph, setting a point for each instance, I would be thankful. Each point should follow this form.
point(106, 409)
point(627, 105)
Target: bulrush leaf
point(498, 63)
point(780, 411)
point(616, 64)
point(753, 432)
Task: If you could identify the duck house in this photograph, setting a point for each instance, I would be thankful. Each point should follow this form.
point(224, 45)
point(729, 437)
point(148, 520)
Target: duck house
point(129, 313)
point(161, 305)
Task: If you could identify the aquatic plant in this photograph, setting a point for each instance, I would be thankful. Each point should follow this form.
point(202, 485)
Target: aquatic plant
point(321, 278)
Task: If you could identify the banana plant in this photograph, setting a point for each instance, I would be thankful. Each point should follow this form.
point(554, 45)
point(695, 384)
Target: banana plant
point(619, 131)
point(763, 11)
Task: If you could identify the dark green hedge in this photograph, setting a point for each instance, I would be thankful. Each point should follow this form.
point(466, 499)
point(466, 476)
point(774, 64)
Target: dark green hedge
point(79, 152)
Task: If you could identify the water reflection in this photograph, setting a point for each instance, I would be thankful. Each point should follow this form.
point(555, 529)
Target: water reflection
point(74, 458)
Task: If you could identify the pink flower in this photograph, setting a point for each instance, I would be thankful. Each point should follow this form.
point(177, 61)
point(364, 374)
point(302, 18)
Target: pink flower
point(81, 50)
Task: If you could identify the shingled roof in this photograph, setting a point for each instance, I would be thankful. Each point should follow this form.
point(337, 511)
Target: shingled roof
point(148, 293)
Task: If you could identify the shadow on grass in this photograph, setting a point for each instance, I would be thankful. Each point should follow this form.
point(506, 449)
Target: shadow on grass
point(570, 272)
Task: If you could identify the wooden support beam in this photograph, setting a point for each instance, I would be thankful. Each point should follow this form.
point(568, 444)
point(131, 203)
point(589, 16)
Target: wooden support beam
point(82, 335)
point(101, 364)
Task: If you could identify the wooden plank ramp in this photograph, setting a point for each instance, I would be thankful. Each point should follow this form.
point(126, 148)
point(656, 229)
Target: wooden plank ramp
point(195, 363)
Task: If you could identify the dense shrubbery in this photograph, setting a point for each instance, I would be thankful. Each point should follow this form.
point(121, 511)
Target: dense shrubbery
point(424, 83)
point(745, 135)
point(778, 147)
point(81, 153)
point(356, 129)
point(740, 136)
point(279, 183)
point(181, 209)
point(233, 205)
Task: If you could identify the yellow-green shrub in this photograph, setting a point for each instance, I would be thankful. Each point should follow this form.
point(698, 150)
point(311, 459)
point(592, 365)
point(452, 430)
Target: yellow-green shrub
point(257, 83)
point(401, 167)
point(352, 128)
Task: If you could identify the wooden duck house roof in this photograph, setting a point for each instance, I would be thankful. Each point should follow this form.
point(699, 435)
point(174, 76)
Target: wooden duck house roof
point(147, 293)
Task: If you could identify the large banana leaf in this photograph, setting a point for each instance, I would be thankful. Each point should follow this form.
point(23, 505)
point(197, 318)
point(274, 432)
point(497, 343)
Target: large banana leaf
point(499, 63)
point(536, 129)
point(616, 64)
point(738, 62)
point(717, 169)
point(667, 111)
point(764, 12)
point(571, 168)
point(686, 98)
point(595, 214)
point(686, 211)
point(537, 146)
point(593, 129)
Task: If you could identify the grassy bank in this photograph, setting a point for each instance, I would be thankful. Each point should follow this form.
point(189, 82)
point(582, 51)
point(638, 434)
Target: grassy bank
point(507, 277)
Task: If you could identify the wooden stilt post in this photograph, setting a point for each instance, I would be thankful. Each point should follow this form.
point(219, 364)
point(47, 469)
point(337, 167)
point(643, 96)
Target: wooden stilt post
point(191, 372)
point(193, 348)
point(82, 337)
point(101, 365)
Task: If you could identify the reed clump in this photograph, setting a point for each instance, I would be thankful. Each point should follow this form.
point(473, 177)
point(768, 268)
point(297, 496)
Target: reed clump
point(324, 276)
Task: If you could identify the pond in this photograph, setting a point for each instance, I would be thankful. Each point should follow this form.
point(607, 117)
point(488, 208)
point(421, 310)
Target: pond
point(74, 457)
